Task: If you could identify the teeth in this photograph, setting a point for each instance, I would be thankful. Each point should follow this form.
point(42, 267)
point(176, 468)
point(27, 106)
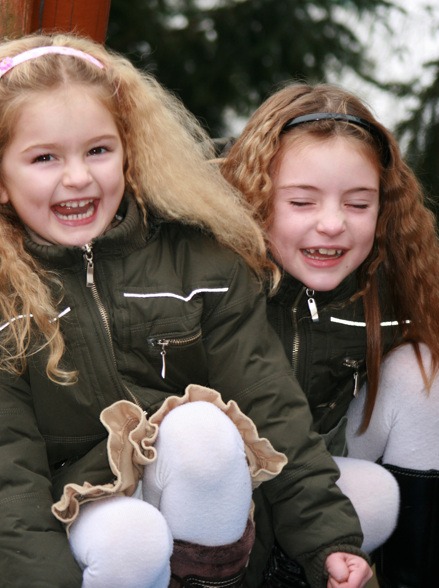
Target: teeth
point(323, 251)
point(75, 203)
point(75, 217)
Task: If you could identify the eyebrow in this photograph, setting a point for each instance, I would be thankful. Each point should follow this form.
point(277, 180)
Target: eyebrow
point(315, 188)
point(363, 189)
point(49, 146)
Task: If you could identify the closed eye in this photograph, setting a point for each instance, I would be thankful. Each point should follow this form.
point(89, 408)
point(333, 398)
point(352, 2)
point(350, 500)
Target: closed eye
point(299, 203)
point(360, 206)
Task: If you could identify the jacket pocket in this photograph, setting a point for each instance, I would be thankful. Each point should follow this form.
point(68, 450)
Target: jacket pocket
point(159, 341)
point(173, 349)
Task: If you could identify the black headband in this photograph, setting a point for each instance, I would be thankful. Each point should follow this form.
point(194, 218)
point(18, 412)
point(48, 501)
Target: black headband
point(354, 120)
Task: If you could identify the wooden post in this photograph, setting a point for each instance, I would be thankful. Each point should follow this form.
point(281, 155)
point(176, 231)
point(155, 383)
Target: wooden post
point(15, 18)
point(85, 17)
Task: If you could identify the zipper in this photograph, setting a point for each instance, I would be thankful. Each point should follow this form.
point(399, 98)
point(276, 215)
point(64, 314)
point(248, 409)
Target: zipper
point(312, 305)
point(164, 344)
point(88, 255)
point(355, 365)
point(90, 283)
point(296, 338)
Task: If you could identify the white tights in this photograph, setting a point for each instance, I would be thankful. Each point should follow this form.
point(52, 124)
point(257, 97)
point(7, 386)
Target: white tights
point(198, 490)
point(403, 430)
point(374, 494)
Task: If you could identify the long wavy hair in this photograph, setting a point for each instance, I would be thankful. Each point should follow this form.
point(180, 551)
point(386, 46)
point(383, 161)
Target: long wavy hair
point(166, 168)
point(405, 249)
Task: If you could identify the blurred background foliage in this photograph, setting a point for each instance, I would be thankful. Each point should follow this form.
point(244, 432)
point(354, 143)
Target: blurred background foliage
point(224, 57)
point(420, 132)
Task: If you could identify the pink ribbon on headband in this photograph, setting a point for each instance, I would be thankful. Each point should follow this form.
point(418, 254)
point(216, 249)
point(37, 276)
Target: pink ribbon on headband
point(9, 62)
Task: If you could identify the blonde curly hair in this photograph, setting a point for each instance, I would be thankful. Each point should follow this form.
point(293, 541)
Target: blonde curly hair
point(166, 167)
point(406, 248)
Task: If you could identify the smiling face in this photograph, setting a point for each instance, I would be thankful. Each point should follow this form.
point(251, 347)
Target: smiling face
point(63, 168)
point(326, 202)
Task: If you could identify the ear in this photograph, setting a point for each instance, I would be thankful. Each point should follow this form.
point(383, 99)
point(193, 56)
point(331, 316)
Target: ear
point(4, 197)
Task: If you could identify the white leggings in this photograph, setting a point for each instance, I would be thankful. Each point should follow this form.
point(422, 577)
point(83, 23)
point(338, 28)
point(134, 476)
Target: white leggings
point(374, 494)
point(198, 490)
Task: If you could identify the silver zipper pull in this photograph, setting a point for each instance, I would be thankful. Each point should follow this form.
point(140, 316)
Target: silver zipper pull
point(312, 305)
point(354, 364)
point(88, 256)
point(355, 392)
point(163, 344)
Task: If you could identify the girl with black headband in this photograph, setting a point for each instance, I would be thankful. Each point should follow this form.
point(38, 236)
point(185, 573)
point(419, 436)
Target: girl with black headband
point(358, 259)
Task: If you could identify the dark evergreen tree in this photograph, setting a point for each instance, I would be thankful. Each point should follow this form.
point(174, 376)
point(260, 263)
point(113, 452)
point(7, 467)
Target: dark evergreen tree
point(230, 54)
point(222, 56)
point(419, 134)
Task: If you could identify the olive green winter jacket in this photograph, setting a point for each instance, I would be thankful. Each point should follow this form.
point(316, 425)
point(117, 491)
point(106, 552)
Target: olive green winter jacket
point(324, 337)
point(143, 315)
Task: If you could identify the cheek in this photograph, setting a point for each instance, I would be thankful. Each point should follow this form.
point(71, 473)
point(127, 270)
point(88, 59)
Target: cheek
point(283, 243)
point(277, 235)
point(373, 228)
point(115, 180)
point(368, 238)
point(284, 224)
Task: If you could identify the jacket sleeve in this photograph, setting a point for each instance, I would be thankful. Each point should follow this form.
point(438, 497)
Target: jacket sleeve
point(311, 518)
point(34, 550)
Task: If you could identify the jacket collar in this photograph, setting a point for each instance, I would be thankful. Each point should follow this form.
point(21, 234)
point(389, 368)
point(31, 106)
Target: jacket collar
point(126, 236)
point(290, 287)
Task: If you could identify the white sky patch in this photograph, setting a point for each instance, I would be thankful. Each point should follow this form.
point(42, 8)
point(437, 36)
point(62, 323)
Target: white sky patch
point(399, 50)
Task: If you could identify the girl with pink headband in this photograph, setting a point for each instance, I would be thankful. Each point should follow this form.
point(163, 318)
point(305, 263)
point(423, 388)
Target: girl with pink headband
point(143, 394)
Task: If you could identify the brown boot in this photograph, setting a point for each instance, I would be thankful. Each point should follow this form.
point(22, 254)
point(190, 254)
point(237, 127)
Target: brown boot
point(199, 566)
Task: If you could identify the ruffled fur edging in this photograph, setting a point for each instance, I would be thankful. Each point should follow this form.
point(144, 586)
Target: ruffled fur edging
point(130, 447)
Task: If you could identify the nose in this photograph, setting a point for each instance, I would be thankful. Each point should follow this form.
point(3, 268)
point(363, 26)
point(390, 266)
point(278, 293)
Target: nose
point(76, 174)
point(331, 221)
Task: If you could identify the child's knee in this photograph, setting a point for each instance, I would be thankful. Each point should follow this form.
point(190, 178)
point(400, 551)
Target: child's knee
point(368, 481)
point(200, 479)
point(374, 493)
point(198, 438)
point(122, 542)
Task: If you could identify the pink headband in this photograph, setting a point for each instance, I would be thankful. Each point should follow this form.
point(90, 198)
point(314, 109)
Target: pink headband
point(9, 62)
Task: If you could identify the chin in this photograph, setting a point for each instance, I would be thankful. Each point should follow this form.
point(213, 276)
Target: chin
point(75, 241)
point(324, 286)
point(82, 238)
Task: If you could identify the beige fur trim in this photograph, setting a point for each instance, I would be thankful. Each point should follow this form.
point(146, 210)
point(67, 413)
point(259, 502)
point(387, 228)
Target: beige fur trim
point(130, 448)
point(264, 462)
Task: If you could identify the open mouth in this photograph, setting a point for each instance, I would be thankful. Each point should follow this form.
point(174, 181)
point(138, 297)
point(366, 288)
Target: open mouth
point(73, 210)
point(323, 254)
